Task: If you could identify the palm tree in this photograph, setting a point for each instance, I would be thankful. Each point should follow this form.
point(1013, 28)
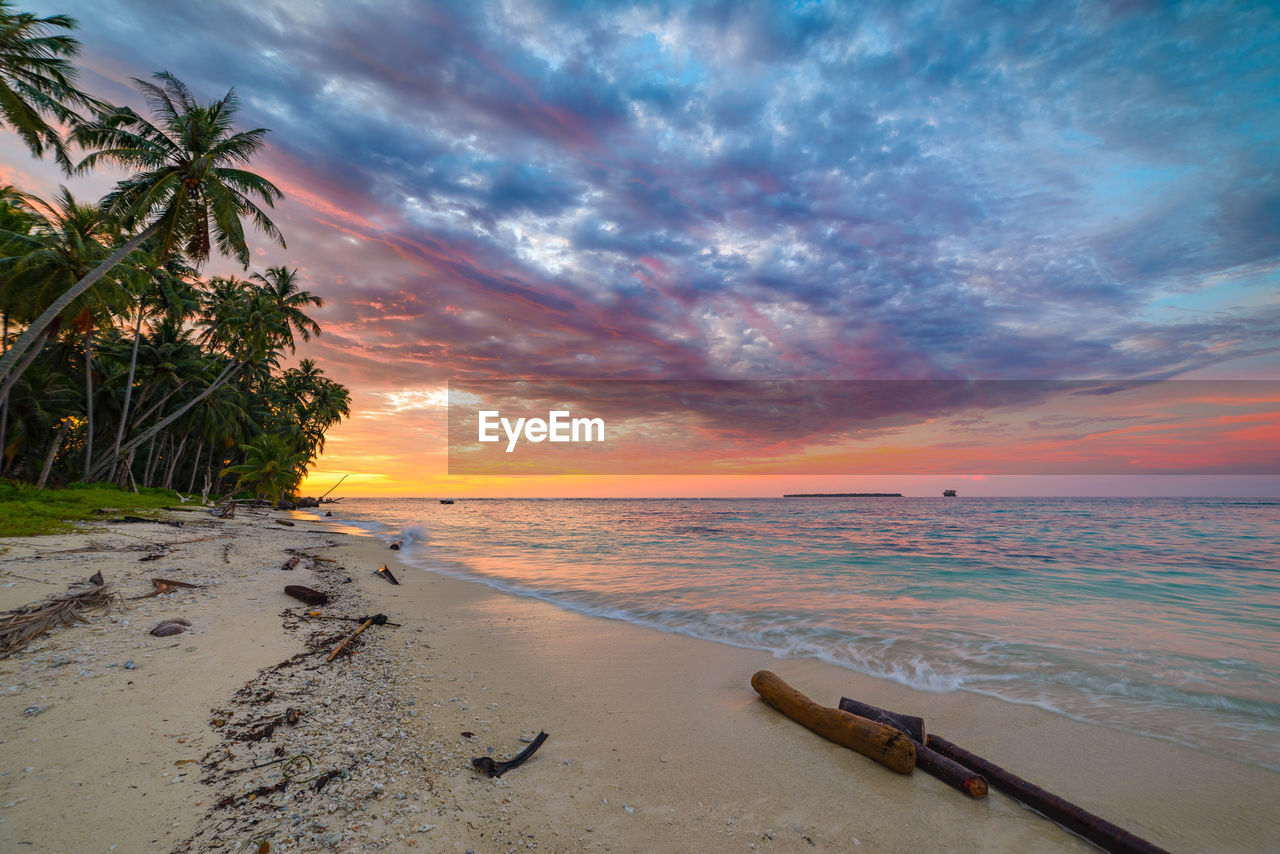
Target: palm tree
point(43, 399)
point(16, 222)
point(37, 80)
point(189, 190)
point(168, 287)
point(314, 402)
point(271, 466)
point(248, 328)
point(66, 239)
point(282, 285)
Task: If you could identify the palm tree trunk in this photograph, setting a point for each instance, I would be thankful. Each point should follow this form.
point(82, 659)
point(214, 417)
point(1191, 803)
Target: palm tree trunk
point(128, 389)
point(8, 362)
point(195, 466)
point(88, 401)
point(173, 463)
point(227, 373)
point(53, 452)
point(4, 432)
point(105, 461)
point(126, 472)
point(151, 456)
point(162, 459)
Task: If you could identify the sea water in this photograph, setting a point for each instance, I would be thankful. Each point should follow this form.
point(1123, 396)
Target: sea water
point(1158, 616)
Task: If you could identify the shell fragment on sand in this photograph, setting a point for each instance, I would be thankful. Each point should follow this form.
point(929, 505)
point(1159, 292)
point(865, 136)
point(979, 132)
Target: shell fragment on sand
point(175, 626)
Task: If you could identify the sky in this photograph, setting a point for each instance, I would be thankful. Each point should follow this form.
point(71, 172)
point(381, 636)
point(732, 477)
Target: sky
point(741, 191)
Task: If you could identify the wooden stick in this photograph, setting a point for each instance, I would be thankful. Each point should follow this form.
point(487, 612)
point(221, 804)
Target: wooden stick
point(486, 764)
point(873, 740)
point(335, 486)
point(165, 585)
point(930, 761)
point(949, 771)
point(366, 624)
point(909, 724)
point(1095, 829)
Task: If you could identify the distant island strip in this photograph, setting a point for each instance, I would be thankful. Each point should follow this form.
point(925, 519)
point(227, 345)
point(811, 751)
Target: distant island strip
point(843, 495)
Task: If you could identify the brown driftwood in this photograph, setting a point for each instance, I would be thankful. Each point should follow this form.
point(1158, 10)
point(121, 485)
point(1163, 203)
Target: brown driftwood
point(885, 745)
point(949, 771)
point(375, 620)
point(486, 765)
point(123, 520)
point(316, 615)
point(290, 563)
point(1097, 830)
point(387, 574)
point(395, 547)
point(306, 594)
point(909, 724)
point(332, 488)
point(166, 585)
point(284, 522)
point(930, 761)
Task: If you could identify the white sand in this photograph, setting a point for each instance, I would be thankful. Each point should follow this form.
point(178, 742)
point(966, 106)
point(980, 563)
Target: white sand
point(657, 741)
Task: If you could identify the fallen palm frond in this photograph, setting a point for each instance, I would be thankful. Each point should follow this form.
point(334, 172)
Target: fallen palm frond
point(23, 625)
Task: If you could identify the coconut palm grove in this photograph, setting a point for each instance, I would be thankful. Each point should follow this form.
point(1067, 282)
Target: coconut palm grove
point(122, 363)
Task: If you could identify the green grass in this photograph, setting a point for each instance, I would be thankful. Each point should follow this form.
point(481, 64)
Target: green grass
point(26, 511)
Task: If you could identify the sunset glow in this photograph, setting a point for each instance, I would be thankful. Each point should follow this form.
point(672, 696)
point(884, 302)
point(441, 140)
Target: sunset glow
point(759, 192)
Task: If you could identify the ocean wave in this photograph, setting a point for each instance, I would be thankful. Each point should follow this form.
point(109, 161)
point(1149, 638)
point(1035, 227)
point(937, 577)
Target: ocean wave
point(926, 610)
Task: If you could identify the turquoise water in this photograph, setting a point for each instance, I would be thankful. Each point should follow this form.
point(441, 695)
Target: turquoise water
point(1159, 616)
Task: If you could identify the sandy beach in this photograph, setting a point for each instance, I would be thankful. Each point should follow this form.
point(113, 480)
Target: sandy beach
point(116, 740)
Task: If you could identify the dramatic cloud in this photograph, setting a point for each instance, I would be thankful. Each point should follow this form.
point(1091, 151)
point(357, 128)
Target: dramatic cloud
point(747, 190)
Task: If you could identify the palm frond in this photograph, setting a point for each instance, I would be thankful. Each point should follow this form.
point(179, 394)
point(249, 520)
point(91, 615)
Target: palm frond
point(21, 626)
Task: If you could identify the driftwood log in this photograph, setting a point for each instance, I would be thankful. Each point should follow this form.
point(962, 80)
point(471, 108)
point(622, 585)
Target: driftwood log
point(909, 724)
point(306, 594)
point(486, 764)
point(949, 771)
point(1097, 830)
point(375, 620)
point(387, 574)
point(161, 586)
point(873, 740)
point(928, 760)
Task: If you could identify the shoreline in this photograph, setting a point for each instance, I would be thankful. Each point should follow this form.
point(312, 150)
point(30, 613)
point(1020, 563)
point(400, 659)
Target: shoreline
point(657, 741)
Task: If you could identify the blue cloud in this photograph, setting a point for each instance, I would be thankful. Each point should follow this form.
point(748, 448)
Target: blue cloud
point(776, 189)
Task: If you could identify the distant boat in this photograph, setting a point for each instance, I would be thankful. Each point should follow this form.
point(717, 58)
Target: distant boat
point(948, 493)
point(446, 500)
